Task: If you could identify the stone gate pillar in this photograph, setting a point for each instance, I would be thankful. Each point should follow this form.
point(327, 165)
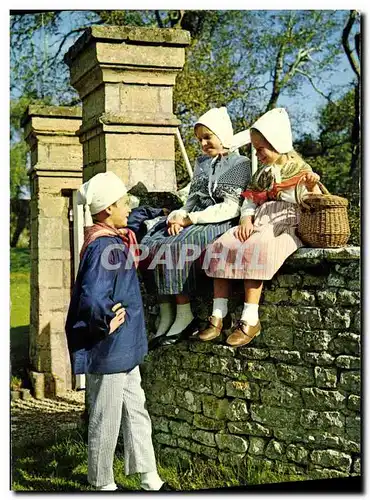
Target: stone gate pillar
point(56, 169)
point(125, 77)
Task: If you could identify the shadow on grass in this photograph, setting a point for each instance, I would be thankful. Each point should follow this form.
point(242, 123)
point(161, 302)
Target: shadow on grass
point(19, 342)
point(19, 260)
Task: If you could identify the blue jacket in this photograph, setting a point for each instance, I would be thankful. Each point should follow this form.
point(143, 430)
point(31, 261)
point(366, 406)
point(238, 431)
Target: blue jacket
point(96, 290)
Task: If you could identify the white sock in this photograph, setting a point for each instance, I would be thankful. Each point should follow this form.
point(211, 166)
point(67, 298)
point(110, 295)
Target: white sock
point(151, 481)
point(184, 317)
point(250, 314)
point(220, 308)
point(167, 317)
point(107, 487)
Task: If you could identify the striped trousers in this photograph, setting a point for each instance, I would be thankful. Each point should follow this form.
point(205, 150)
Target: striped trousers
point(117, 403)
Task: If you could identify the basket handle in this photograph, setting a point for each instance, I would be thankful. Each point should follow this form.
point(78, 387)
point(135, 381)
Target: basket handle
point(298, 192)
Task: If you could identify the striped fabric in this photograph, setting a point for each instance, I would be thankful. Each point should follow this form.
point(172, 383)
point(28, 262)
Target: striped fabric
point(117, 404)
point(172, 273)
point(264, 252)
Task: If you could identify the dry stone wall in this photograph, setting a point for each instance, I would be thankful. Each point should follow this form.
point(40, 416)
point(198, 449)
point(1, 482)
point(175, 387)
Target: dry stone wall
point(292, 396)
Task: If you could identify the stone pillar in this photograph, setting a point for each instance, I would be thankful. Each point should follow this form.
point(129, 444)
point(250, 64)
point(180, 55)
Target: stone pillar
point(125, 77)
point(56, 169)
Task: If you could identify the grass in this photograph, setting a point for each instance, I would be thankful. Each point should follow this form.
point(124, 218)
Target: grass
point(61, 465)
point(20, 309)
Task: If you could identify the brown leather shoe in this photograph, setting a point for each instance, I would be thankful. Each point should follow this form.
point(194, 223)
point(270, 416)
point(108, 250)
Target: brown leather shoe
point(213, 330)
point(243, 334)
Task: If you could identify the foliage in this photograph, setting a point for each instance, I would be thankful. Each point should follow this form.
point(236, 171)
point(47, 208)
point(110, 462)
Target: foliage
point(229, 62)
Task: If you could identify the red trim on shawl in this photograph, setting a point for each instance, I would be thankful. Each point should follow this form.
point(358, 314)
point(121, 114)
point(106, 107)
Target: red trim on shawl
point(100, 229)
point(259, 197)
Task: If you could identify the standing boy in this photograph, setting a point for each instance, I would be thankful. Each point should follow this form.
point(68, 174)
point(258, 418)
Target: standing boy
point(107, 339)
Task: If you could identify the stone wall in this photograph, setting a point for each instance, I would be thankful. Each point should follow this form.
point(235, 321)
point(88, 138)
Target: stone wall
point(292, 396)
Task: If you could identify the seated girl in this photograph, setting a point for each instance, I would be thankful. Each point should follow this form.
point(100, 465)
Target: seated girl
point(256, 249)
point(214, 202)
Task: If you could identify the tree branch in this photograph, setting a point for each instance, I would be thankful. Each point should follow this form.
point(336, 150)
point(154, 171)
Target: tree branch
point(345, 42)
point(309, 78)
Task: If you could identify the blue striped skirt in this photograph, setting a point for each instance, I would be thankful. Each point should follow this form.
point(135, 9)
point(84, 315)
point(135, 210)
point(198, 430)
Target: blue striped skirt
point(174, 262)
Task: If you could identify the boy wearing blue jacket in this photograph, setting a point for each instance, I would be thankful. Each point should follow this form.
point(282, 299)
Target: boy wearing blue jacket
point(107, 339)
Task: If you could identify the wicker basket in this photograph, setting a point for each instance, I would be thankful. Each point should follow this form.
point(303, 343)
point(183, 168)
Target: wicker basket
point(323, 219)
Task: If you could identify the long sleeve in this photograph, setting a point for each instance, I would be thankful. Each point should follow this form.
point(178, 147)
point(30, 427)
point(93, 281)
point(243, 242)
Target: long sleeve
point(248, 208)
point(96, 289)
point(220, 212)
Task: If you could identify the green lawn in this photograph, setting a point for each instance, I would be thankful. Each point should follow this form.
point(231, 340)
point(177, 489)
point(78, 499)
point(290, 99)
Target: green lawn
point(61, 465)
point(20, 309)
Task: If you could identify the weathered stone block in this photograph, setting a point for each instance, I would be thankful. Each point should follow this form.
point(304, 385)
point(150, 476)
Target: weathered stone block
point(278, 337)
point(204, 437)
point(218, 385)
point(254, 353)
point(353, 428)
point(325, 377)
point(348, 297)
point(288, 315)
point(207, 423)
point(323, 399)
point(318, 340)
point(167, 439)
point(197, 448)
point(297, 454)
point(332, 458)
point(236, 444)
point(303, 297)
point(275, 449)
point(215, 408)
point(291, 434)
point(289, 280)
point(223, 350)
point(231, 459)
point(261, 371)
point(237, 410)
point(161, 424)
point(318, 358)
point(297, 375)
point(337, 319)
point(336, 280)
point(170, 411)
point(316, 473)
point(139, 146)
point(201, 382)
point(171, 456)
point(312, 281)
point(182, 429)
point(277, 394)
point(354, 402)
point(322, 420)
point(273, 416)
point(256, 446)
point(347, 343)
point(348, 362)
point(326, 297)
point(350, 381)
point(357, 466)
point(189, 400)
point(276, 296)
point(282, 355)
point(249, 428)
point(267, 313)
point(357, 321)
point(225, 366)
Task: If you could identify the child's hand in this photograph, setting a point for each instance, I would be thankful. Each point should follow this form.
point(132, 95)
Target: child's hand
point(119, 318)
point(311, 179)
point(245, 229)
point(174, 229)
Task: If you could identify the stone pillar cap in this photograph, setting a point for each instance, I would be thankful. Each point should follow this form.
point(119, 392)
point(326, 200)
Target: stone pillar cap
point(133, 34)
point(51, 111)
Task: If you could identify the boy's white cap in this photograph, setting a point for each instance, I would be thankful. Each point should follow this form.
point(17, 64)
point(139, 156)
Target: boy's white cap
point(218, 121)
point(275, 127)
point(100, 192)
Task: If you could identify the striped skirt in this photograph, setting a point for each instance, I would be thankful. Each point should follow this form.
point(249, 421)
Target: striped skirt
point(174, 262)
point(264, 252)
